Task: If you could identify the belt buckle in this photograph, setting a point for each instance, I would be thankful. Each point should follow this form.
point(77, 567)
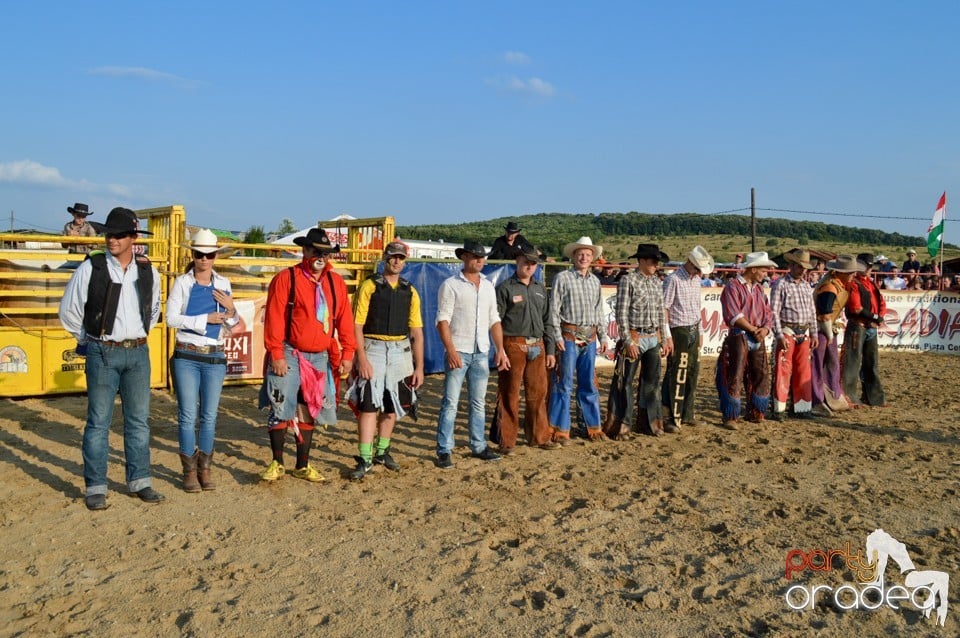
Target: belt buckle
point(531, 341)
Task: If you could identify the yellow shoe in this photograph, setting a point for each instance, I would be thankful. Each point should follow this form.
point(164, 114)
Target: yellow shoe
point(307, 474)
point(273, 472)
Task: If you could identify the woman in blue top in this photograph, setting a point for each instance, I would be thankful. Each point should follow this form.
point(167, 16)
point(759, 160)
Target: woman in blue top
point(201, 309)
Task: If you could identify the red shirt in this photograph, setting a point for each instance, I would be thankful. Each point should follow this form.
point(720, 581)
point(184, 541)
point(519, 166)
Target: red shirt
point(306, 332)
point(864, 296)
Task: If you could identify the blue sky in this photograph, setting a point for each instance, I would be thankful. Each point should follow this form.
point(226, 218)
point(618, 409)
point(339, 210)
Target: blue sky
point(247, 113)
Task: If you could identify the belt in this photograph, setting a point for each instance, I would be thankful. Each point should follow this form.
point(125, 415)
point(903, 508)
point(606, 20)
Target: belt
point(573, 332)
point(530, 341)
point(642, 333)
point(796, 327)
point(201, 349)
point(126, 343)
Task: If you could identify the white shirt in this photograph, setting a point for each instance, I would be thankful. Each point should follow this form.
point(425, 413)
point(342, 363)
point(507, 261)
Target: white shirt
point(127, 324)
point(192, 329)
point(471, 312)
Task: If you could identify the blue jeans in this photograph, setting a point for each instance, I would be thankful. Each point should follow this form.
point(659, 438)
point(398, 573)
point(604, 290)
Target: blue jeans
point(476, 369)
point(108, 370)
point(576, 361)
point(197, 382)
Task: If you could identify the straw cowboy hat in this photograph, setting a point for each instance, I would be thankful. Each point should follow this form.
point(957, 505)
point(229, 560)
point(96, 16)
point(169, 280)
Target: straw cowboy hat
point(79, 209)
point(845, 263)
point(700, 258)
point(204, 241)
point(650, 251)
point(799, 256)
point(583, 242)
point(759, 259)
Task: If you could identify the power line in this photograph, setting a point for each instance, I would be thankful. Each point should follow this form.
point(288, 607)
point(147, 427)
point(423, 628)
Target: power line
point(810, 212)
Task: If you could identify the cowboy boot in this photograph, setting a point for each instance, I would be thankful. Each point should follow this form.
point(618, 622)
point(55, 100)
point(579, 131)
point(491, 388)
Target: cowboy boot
point(190, 483)
point(203, 471)
point(612, 426)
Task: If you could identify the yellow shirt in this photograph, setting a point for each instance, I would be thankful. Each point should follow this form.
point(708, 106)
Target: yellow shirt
point(361, 301)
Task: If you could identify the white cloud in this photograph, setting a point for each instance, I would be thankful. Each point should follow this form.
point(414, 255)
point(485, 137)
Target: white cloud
point(36, 174)
point(530, 86)
point(143, 73)
point(516, 57)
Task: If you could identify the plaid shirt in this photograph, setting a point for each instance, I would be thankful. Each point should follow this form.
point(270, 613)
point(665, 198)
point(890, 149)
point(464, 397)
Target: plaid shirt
point(740, 299)
point(576, 299)
point(640, 305)
point(791, 301)
point(681, 296)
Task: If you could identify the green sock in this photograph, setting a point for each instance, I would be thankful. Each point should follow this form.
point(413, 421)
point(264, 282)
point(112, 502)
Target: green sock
point(382, 445)
point(366, 451)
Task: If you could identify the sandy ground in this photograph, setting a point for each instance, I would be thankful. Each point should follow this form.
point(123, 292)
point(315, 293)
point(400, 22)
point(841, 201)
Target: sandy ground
point(677, 536)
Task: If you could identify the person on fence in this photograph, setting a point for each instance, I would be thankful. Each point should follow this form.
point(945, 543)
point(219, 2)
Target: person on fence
point(579, 325)
point(79, 227)
point(309, 338)
point(743, 355)
point(389, 332)
point(795, 334)
point(682, 299)
point(644, 335)
point(467, 321)
point(523, 306)
point(510, 244)
point(110, 305)
point(865, 309)
point(201, 309)
point(829, 299)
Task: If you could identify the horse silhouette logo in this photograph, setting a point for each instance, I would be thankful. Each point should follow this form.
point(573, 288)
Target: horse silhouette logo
point(882, 547)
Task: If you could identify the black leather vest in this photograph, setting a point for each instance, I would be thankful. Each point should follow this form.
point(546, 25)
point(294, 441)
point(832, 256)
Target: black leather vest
point(103, 296)
point(389, 310)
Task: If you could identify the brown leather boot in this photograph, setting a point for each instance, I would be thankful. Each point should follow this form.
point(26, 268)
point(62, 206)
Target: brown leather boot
point(203, 471)
point(611, 426)
point(190, 483)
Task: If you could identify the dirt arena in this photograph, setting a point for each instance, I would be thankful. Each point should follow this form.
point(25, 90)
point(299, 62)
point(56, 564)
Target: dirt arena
point(677, 536)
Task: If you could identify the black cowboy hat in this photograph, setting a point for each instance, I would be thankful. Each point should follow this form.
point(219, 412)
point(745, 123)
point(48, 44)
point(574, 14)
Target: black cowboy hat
point(317, 238)
point(867, 259)
point(79, 209)
point(512, 227)
point(473, 247)
point(530, 253)
point(123, 220)
point(650, 251)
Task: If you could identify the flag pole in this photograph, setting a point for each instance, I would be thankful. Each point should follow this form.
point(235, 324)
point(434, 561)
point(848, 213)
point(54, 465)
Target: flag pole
point(941, 241)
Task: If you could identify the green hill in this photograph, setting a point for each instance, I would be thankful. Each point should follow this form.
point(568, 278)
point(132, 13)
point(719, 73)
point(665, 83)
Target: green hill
point(723, 235)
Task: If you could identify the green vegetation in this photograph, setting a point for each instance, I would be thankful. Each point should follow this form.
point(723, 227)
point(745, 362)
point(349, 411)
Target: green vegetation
point(722, 235)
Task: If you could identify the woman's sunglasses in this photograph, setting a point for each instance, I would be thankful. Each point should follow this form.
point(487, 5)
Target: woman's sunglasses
point(199, 255)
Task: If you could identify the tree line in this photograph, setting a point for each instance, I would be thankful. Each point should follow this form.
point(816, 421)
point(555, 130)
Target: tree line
point(552, 231)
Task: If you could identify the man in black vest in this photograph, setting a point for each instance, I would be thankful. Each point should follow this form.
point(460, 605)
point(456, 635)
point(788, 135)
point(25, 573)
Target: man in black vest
point(110, 305)
point(389, 331)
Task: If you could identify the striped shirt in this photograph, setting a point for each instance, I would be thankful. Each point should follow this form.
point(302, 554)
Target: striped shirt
point(681, 296)
point(576, 299)
point(791, 301)
point(640, 305)
point(740, 299)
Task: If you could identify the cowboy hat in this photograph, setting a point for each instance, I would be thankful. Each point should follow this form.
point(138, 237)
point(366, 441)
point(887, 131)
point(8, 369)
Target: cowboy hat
point(316, 238)
point(79, 209)
point(512, 227)
point(475, 248)
point(650, 251)
point(123, 220)
point(530, 253)
point(700, 258)
point(845, 263)
point(759, 259)
point(583, 242)
point(204, 241)
point(799, 256)
point(867, 259)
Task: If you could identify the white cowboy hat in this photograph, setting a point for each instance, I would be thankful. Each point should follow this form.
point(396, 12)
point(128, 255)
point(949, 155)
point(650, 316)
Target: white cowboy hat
point(758, 259)
point(204, 241)
point(583, 242)
point(700, 258)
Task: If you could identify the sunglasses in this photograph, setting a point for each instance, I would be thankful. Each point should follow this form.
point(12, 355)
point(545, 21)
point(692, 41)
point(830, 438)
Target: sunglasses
point(400, 257)
point(123, 235)
point(199, 255)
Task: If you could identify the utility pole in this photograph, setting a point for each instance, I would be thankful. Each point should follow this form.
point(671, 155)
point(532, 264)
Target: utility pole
point(753, 220)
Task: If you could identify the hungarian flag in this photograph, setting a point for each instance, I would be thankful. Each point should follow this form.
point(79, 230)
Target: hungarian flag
point(935, 232)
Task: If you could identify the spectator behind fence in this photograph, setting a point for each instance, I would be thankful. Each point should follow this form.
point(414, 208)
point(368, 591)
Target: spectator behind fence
point(79, 227)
